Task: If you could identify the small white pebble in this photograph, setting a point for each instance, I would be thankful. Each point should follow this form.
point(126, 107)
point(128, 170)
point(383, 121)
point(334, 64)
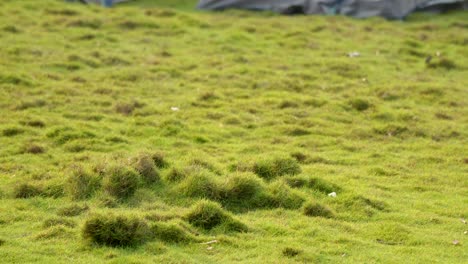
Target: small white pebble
point(175, 108)
point(333, 194)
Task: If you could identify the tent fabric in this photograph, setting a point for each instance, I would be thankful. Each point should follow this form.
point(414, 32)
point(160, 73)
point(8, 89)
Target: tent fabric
point(393, 9)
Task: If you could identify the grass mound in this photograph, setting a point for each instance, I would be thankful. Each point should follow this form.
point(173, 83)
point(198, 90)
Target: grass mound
point(243, 186)
point(316, 184)
point(72, 210)
point(145, 165)
point(121, 182)
point(269, 169)
point(209, 215)
point(82, 184)
point(115, 231)
point(279, 194)
point(317, 210)
point(175, 175)
point(171, 233)
point(26, 190)
point(202, 184)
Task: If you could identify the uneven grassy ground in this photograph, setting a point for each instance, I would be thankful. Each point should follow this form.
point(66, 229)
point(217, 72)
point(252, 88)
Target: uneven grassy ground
point(231, 103)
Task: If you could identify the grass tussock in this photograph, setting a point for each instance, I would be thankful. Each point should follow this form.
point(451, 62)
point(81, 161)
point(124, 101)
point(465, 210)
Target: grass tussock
point(202, 184)
point(73, 210)
point(145, 165)
point(280, 195)
point(26, 190)
point(115, 231)
point(241, 187)
point(121, 182)
point(209, 215)
point(171, 233)
point(54, 232)
point(82, 184)
point(57, 221)
point(315, 209)
point(272, 168)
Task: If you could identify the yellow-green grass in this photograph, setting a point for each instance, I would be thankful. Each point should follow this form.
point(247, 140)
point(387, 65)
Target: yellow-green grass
point(90, 95)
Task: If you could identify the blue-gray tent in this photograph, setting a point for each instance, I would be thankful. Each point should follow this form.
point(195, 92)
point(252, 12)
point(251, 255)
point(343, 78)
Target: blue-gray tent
point(392, 9)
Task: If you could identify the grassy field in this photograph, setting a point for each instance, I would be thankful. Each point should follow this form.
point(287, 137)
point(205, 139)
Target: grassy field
point(138, 134)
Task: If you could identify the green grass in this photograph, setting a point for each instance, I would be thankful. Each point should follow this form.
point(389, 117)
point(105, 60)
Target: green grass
point(125, 131)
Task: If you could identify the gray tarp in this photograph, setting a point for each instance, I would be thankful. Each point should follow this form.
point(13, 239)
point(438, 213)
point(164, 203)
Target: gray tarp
point(393, 9)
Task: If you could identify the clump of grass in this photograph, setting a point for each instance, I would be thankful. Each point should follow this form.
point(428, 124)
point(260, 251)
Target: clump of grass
point(317, 210)
point(242, 186)
point(443, 63)
point(300, 157)
point(159, 160)
point(73, 210)
point(115, 231)
point(170, 232)
point(58, 221)
point(12, 131)
point(2, 242)
point(121, 182)
point(269, 169)
point(175, 175)
point(144, 164)
point(392, 234)
point(279, 194)
point(82, 184)
point(316, 184)
point(201, 184)
point(26, 190)
point(33, 149)
point(360, 104)
point(209, 215)
point(54, 232)
point(290, 252)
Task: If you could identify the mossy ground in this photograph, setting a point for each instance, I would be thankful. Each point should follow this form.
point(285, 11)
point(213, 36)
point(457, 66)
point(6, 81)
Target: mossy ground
point(216, 93)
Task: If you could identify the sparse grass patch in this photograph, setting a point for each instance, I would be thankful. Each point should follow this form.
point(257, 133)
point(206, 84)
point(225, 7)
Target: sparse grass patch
point(116, 230)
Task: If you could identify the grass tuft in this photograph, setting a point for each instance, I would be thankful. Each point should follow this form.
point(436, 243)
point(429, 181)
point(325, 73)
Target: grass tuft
point(209, 215)
point(26, 190)
point(317, 210)
point(82, 184)
point(121, 182)
point(73, 210)
point(242, 186)
point(171, 233)
point(281, 195)
point(115, 231)
point(272, 168)
point(144, 164)
point(291, 252)
point(202, 184)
